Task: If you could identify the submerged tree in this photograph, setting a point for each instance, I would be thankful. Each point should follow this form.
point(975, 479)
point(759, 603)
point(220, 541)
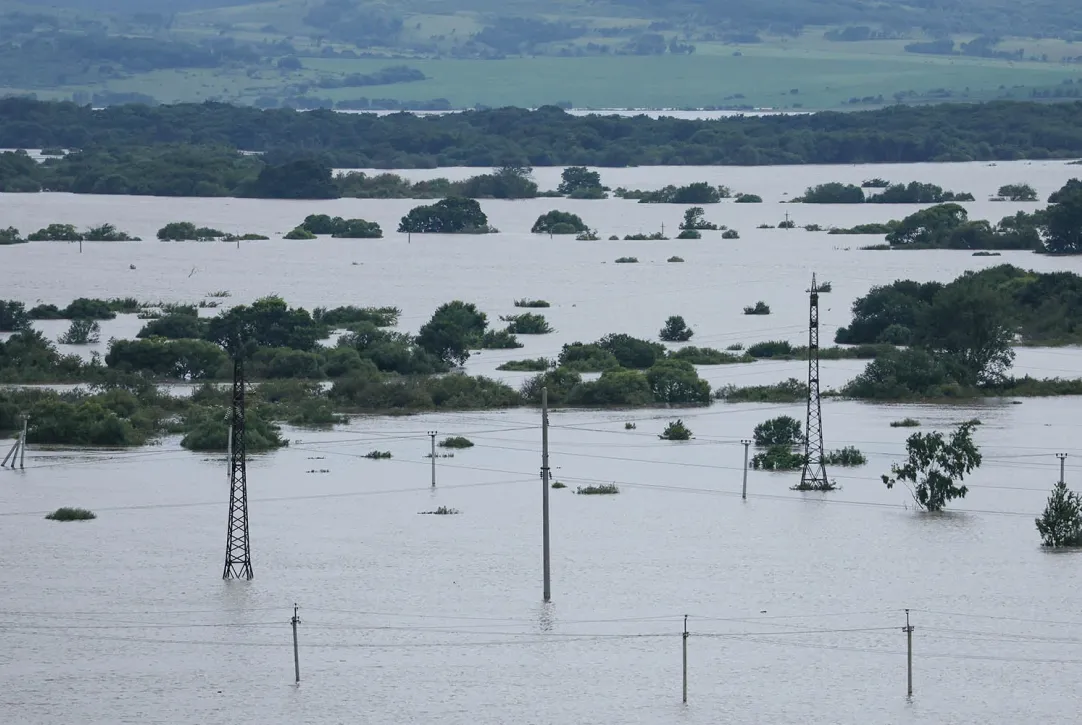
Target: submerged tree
point(936, 466)
point(676, 330)
point(1061, 522)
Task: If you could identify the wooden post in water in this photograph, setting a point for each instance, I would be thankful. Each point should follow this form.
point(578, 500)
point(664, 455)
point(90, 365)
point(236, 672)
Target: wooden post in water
point(545, 492)
point(685, 638)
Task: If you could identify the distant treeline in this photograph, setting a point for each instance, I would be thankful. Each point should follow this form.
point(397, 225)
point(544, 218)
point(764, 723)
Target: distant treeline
point(549, 136)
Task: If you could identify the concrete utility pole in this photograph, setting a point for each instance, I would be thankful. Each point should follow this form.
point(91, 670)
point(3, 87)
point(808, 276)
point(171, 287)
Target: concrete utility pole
point(545, 490)
point(1062, 459)
point(909, 655)
point(744, 489)
point(685, 638)
point(22, 445)
point(296, 655)
point(432, 435)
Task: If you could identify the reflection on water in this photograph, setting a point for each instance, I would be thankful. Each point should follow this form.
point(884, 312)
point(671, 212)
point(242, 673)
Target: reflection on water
point(795, 601)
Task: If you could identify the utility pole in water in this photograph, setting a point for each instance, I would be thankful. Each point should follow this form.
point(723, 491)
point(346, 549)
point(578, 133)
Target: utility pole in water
point(685, 638)
point(545, 490)
point(744, 488)
point(908, 629)
point(1062, 460)
point(296, 655)
point(432, 435)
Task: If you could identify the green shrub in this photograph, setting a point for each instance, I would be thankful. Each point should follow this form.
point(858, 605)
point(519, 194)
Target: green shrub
point(630, 426)
point(748, 199)
point(627, 260)
point(1017, 192)
point(358, 229)
point(689, 234)
point(832, 193)
point(759, 308)
point(56, 233)
point(452, 215)
point(10, 235)
point(674, 259)
point(71, 514)
point(730, 234)
point(378, 455)
point(790, 391)
point(604, 489)
point(676, 431)
point(708, 356)
point(783, 430)
point(527, 323)
point(186, 231)
point(499, 340)
point(534, 365)
point(14, 317)
point(905, 423)
point(559, 222)
point(771, 348)
point(848, 456)
point(208, 430)
point(81, 332)
point(557, 484)
point(694, 220)
point(441, 511)
point(777, 458)
point(456, 442)
point(108, 233)
point(676, 330)
point(531, 303)
point(299, 233)
point(654, 237)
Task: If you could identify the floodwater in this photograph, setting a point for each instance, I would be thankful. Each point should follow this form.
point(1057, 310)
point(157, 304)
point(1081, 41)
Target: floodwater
point(796, 602)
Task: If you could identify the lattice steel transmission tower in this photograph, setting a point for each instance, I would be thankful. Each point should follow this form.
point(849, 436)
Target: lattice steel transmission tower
point(238, 553)
point(814, 475)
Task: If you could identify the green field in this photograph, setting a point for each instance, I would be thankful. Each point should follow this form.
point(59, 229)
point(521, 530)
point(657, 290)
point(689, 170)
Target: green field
point(764, 77)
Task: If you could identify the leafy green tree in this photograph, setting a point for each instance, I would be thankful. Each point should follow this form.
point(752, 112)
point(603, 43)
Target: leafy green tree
point(85, 423)
point(561, 384)
point(901, 374)
point(13, 317)
point(969, 325)
point(178, 359)
point(587, 358)
point(10, 235)
point(56, 233)
point(267, 322)
point(676, 381)
point(1061, 522)
point(559, 222)
point(614, 387)
point(1061, 222)
point(632, 352)
point(506, 182)
point(175, 327)
point(917, 193)
point(1017, 192)
point(84, 308)
point(833, 193)
point(359, 229)
point(452, 330)
point(528, 323)
point(186, 231)
point(778, 458)
point(676, 330)
point(81, 332)
point(322, 223)
point(928, 226)
point(936, 466)
point(676, 431)
point(298, 179)
point(694, 220)
point(897, 305)
point(453, 215)
point(781, 431)
point(578, 180)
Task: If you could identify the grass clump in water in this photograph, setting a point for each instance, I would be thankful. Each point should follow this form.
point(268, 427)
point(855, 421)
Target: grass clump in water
point(605, 489)
point(532, 303)
point(378, 455)
point(71, 514)
point(557, 484)
point(534, 365)
point(456, 442)
point(848, 456)
point(441, 511)
point(905, 423)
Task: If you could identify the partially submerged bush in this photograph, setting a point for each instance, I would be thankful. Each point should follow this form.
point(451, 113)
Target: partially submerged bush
point(748, 199)
point(453, 215)
point(654, 237)
point(905, 423)
point(71, 514)
point(689, 234)
point(188, 232)
point(676, 330)
point(627, 260)
point(527, 323)
point(771, 348)
point(559, 222)
point(730, 234)
point(534, 365)
point(1017, 192)
point(674, 259)
point(759, 308)
point(531, 303)
point(378, 455)
point(456, 442)
point(676, 431)
point(299, 233)
point(694, 219)
point(441, 511)
point(604, 489)
point(557, 484)
point(777, 458)
point(783, 430)
point(848, 456)
point(81, 332)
